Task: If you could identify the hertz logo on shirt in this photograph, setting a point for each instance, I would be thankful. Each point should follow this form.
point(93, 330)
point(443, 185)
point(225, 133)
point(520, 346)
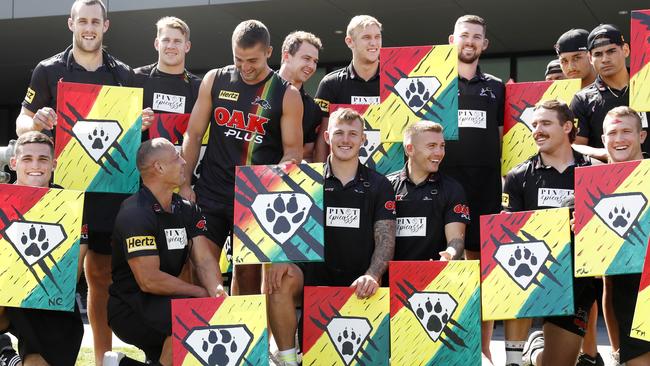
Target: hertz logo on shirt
point(228, 95)
point(29, 97)
point(138, 243)
point(323, 104)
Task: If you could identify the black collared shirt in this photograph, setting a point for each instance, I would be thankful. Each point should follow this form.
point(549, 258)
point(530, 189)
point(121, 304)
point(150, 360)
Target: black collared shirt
point(143, 228)
point(423, 210)
point(344, 86)
point(532, 185)
point(167, 93)
point(590, 106)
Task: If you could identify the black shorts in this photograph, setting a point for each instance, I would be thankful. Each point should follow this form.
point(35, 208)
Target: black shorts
point(482, 187)
point(55, 335)
point(584, 296)
point(319, 274)
point(142, 320)
point(100, 210)
point(219, 224)
point(625, 292)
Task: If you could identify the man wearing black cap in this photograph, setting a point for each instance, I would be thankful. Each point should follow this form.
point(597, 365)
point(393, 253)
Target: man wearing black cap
point(607, 53)
point(553, 71)
point(572, 54)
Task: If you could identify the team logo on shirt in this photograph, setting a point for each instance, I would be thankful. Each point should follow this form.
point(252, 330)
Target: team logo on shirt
point(219, 344)
point(462, 210)
point(29, 97)
point(228, 95)
point(343, 217)
point(620, 212)
point(168, 103)
point(176, 238)
point(552, 197)
point(140, 243)
point(323, 104)
point(416, 92)
point(281, 214)
point(247, 127)
point(411, 226)
point(261, 102)
point(486, 91)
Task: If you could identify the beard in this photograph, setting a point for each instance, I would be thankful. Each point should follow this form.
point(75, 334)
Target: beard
point(468, 59)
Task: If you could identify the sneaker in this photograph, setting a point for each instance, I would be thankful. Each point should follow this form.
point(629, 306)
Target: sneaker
point(8, 356)
point(535, 342)
point(113, 358)
point(615, 358)
point(586, 360)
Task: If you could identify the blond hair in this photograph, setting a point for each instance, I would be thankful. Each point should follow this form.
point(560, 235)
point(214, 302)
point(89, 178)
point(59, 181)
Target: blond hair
point(174, 23)
point(420, 127)
point(361, 21)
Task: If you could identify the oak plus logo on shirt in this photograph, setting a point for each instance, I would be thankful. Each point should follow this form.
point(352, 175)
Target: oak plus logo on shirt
point(241, 126)
point(343, 217)
point(411, 226)
point(552, 197)
point(176, 238)
point(468, 118)
point(168, 103)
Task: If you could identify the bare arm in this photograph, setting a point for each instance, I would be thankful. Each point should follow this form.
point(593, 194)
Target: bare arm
point(150, 279)
point(322, 149)
point(291, 125)
point(580, 145)
point(384, 248)
point(204, 257)
point(455, 234)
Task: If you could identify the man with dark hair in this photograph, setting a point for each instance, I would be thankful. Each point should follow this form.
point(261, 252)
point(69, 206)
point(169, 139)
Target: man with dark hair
point(571, 49)
point(156, 232)
point(544, 181)
point(553, 71)
point(299, 61)
point(357, 83)
point(358, 246)
point(45, 337)
point(255, 118)
point(84, 61)
point(475, 159)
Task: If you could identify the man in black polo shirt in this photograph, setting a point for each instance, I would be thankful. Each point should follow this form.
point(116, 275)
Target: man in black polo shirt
point(607, 52)
point(168, 86)
point(475, 159)
point(83, 62)
point(299, 61)
point(431, 208)
point(544, 181)
point(571, 49)
point(359, 233)
point(156, 231)
point(357, 83)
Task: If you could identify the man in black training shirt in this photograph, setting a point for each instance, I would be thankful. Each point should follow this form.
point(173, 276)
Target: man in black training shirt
point(359, 233)
point(83, 62)
point(357, 83)
point(168, 86)
point(544, 181)
point(156, 232)
point(431, 208)
point(255, 118)
point(299, 61)
point(607, 52)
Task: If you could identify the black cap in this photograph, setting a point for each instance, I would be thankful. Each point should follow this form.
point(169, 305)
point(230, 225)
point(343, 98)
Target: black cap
point(571, 41)
point(553, 67)
point(603, 35)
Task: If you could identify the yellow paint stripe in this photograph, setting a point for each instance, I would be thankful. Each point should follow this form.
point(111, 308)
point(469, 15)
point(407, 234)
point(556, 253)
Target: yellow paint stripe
point(641, 322)
point(640, 90)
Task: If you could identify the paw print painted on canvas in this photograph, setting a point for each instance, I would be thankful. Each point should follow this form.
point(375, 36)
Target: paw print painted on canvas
point(220, 331)
point(435, 313)
point(341, 329)
point(278, 214)
point(418, 83)
point(612, 218)
point(526, 259)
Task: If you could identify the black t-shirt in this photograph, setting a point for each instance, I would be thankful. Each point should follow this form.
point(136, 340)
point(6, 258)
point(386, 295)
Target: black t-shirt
point(480, 114)
point(167, 93)
point(344, 86)
point(244, 130)
point(312, 116)
point(532, 185)
point(423, 210)
point(590, 106)
point(143, 228)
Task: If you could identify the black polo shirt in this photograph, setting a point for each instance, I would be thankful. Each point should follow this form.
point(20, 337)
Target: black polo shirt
point(167, 93)
point(344, 86)
point(590, 106)
point(533, 185)
point(423, 210)
point(143, 228)
point(480, 114)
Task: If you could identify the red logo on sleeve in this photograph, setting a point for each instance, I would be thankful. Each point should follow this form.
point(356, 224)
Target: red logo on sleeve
point(390, 205)
point(201, 224)
point(463, 210)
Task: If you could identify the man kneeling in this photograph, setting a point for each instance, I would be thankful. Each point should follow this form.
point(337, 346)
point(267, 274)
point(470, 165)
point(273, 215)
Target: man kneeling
point(155, 232)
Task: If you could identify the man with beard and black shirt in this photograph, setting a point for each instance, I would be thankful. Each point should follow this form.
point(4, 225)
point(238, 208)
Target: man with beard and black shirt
point(299, 61)
point(83, 62)
point(255, 118)
point(357, 83)
point(545, 181)
point(475, 159)
point(168, 86)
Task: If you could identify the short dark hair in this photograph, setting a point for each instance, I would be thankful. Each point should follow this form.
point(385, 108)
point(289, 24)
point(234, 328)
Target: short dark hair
point(34, 137)
point(89, 3)
point(294, 40)
point(249, 33)
point(472, 19)
point(564, 114)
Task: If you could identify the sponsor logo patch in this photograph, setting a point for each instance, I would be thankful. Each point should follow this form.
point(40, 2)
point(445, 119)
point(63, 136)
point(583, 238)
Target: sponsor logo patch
point(139, 243)
point(228, 95)
point(168, 103)
point(411, 226)
point(550, 197)
point(472, 119)
point(505, 200)
point(463, 210)
point(364, 100)
point(343, 217)
point(29, 97)
point(323, 104)
point(176, 238)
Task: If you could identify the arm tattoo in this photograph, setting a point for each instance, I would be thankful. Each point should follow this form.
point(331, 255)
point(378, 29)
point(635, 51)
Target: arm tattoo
point(384, 247)
point(458, 244)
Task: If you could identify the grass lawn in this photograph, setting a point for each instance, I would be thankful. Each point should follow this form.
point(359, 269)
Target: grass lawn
point(87, 357)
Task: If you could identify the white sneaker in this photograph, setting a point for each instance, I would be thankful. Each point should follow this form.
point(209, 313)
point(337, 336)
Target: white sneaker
point(113, 358)
point(535, 342)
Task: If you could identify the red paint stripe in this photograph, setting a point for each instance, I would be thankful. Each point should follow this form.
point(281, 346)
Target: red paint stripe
point(518, 97)
point(492, 226)
point(404, 59)
point(82, 97)
point(182, 309)
point(598, 180)
point(419, 274)
point(640, 42)
point(317, 299)
point(645, 277)
point(20, 198)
